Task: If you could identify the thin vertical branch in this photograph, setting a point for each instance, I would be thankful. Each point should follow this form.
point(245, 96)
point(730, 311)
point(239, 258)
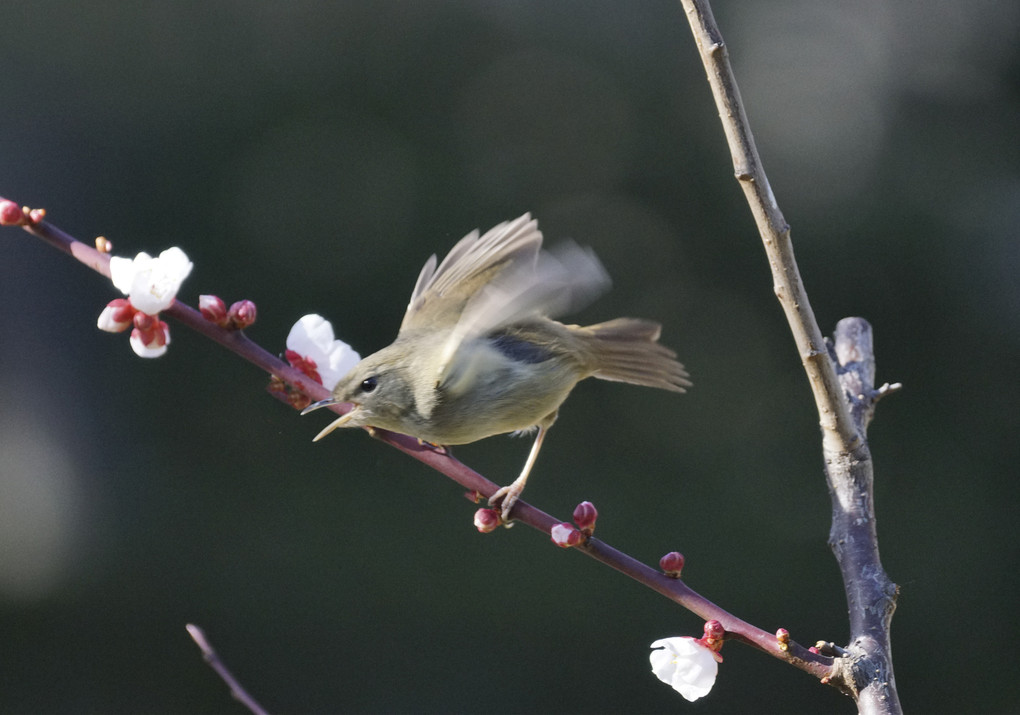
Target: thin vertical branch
point(845, 403)
point(838, 429)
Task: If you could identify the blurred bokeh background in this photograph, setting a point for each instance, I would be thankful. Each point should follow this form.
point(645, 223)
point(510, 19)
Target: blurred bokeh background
point(310, 156)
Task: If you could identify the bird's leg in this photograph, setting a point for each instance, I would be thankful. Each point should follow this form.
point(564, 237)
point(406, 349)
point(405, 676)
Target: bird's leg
point(511, 493)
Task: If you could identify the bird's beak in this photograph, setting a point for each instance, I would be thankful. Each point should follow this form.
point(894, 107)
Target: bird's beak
point(335, 424)
point(316, 405)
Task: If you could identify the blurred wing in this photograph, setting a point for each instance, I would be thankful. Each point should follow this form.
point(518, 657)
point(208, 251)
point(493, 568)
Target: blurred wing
point(440, 295)
point(560, 281)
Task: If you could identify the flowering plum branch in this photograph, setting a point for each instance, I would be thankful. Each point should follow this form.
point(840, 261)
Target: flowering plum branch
point(841, 376)
point(299, 381)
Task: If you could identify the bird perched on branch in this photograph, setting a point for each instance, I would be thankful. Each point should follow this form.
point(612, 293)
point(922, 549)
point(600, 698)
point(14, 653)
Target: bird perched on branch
point(478, 353)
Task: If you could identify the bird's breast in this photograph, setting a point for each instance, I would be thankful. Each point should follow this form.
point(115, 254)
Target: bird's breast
point(496, 386)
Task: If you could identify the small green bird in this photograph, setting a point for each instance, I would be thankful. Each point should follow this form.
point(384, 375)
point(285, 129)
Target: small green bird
point(478, 353)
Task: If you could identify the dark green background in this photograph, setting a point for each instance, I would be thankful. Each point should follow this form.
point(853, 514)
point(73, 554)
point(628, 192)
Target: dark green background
point(310, 156)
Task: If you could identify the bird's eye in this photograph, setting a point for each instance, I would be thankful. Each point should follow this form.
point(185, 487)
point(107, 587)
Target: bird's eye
point(369, 383)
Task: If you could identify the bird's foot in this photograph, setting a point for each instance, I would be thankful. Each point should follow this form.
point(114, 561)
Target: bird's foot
point(505, 498)
point(437, 448)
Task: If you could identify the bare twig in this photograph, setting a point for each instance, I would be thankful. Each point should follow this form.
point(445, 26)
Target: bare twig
point(837, 427)
point(866, 674)
point(214, 661)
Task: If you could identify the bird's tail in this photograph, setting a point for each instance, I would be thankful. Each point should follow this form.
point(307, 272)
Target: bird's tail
point(627, 350)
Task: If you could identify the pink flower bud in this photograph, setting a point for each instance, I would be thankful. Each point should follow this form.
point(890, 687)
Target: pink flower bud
point(672, 564)
point(487, 520)
point(783, 636)
point(144, 322)
point(162, 333)
point(213, 309)
point(11, 214)
point(714, 629)
point(145, 337)
point(585, 515)
point(152, 341)
point(241, 314)
point(36, 215)
point(565, 535)
point(713, 638)
point(118, 315)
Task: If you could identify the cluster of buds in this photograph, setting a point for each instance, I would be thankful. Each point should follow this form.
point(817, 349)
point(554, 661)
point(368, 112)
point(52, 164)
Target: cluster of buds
point(567, 535)
point(149, 334)
point(238, 316)
point(151, 286)
point(13, 215)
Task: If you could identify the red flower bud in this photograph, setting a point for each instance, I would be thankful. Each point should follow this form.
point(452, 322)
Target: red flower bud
point(565, 535)
point(241, 314)
point(714, 629)
point(585, 515)
point(487, 520)
point(213, 309)
point(123, 311)
point(144, 322)
point(672, 564)
point(11, 214)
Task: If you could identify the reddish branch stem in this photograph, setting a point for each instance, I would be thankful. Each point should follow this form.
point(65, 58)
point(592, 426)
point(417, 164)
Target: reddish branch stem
point(674, 589)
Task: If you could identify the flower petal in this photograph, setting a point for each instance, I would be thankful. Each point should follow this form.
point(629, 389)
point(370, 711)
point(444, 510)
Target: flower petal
point(685, 665)
point(311, 334)
point(151, 283)
point(123, 270)
point(312, 337)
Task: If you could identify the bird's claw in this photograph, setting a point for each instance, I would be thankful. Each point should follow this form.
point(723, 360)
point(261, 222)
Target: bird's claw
point(505, 497)
point(437, 448)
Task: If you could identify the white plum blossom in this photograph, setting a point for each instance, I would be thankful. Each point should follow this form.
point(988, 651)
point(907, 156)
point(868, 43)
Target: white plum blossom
point(151, 283)
point(312, 337)
point(685, 665)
